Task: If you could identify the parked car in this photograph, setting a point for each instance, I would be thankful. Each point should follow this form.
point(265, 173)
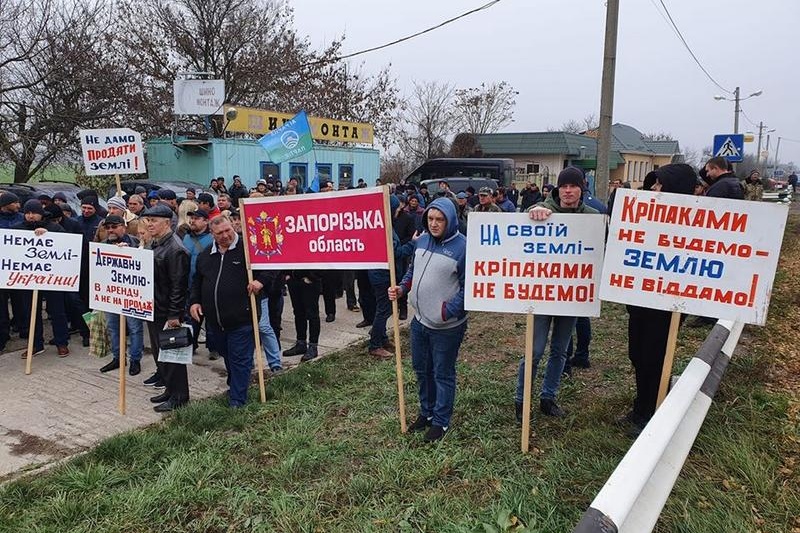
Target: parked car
point(26, 191)
point(129, 187)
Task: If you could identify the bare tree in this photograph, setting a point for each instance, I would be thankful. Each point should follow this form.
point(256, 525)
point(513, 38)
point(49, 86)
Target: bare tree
point(586, 124)
point(429, 121)
point(252, 46)
point(49, 88)
point(484, 109)
point(660, 136)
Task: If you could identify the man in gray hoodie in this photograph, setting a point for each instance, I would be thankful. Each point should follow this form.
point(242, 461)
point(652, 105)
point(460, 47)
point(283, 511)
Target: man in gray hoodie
point(435, 285)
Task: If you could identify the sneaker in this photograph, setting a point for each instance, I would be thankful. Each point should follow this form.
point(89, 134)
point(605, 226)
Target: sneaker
point(421, 423)
point(363, 324)
point(518, 412)
point(63, 351)
point(354, 308)
point(435, 433)
point(311, 353)
point(152, 380)
point(330, 318)
point(299, 348)
point(111, 365)
point(277, 371)
point(380, 353)
point(36, 351)
point(551, 408)
point(212, 355)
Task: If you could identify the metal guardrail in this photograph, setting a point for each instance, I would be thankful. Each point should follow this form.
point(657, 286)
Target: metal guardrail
point(634, 495)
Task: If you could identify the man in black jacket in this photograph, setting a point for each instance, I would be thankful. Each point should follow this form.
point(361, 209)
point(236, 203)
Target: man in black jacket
point(722, 182)
point(170, 279)
point(221, 293)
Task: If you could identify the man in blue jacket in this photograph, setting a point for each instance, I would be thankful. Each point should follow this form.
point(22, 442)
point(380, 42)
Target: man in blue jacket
point(435, 285)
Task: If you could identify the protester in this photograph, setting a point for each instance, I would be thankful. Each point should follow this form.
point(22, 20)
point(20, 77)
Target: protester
point(722, 183)
point(116, 233)
point(567, 198)
point(170, 282)
point(197, 239)
point(648, 329)
point(9, 218)
point(238, 191)
point(35, 221)
point(753, 189)
point(486, 202)
point(206, 202)
point(221, 293)
point(305, 287)
point(435, 284)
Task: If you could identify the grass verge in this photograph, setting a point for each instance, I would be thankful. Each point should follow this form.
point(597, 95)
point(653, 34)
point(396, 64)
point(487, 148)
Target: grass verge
point(325, 452)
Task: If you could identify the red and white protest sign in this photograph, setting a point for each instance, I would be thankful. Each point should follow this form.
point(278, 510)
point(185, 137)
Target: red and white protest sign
point(121, 280)
point(334, 230)
point(112, 151)
point(519, 265)
point(711, 257)
point(51, 261)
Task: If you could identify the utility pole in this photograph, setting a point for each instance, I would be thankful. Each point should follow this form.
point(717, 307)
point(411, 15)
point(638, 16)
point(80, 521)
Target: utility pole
point(607, 99)
point(777, 149)
point(736, 111)
point(758, 152)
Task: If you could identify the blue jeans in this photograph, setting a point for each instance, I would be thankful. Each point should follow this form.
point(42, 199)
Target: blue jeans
point(433, 356)
point(562, 330)
point(269, 342)
point(383, 310)
point(135, 332)
point(236, 346)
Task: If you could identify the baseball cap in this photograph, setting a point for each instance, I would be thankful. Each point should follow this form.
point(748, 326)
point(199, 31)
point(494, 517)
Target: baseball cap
point(485, 190)
point(113, 220)
point(200, 213)
point(462, 195)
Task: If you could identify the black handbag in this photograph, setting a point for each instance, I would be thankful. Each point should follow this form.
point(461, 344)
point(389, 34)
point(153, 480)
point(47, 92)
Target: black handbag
point(180, 337)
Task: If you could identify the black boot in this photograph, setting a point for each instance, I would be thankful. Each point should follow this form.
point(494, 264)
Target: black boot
point(311, 353)
point(518, 412)
point(299, 348)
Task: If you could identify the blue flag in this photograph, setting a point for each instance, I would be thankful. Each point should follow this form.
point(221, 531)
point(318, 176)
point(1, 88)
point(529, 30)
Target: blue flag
point(290, 140)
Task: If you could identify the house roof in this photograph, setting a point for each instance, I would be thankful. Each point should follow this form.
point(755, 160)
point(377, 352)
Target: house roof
point(542, 143)
point(664, 147)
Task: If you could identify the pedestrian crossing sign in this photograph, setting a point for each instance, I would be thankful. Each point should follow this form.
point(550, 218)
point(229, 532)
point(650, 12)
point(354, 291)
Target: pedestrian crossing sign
point(730, 146)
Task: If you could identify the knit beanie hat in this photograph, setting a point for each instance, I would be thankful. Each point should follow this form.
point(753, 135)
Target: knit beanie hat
point(33, 206)
point(571, 176)
point(677, 178)
point(8, 198)
point(90, 200)
point(116, 201)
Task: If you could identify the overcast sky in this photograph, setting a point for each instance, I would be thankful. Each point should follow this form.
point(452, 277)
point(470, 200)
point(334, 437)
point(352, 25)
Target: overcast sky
point(551, 51)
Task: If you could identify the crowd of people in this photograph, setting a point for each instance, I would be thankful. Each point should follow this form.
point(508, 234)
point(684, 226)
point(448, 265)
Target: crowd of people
point(200, 277)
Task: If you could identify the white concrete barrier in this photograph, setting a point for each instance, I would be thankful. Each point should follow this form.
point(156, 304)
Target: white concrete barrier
point(634, 495)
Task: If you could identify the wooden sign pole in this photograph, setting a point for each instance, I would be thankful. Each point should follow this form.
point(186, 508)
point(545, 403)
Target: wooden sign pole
point(119, 184)
point(666, 370)
point(398, 358)
point(32, 330)
point(527, 385)
point(123, 359)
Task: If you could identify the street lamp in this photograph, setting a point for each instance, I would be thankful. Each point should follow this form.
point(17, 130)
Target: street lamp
point(737, 109)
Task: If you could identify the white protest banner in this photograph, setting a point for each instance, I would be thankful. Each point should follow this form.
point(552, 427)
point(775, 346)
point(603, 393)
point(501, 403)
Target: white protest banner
point(712, 257)
point(50, 262)
point(112, 151)
point(198, 97)
point(519, 265)
point(121, 280)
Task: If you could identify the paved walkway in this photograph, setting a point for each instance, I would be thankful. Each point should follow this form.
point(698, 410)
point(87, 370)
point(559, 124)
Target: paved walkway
point(67, 406)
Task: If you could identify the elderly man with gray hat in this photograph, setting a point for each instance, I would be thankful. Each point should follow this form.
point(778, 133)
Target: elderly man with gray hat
point(567, 197)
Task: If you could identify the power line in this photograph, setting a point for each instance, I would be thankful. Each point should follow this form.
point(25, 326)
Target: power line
point(683, 40)
point(746, 117)
point(487, 5)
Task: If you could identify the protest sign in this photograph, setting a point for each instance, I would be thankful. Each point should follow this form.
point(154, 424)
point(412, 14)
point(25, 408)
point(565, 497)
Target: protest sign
point(711, 257)
point(519, 265)
point(290, 140)
point(49, 262)
point(112, 151)
point(336, 230)
point(121, 280)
